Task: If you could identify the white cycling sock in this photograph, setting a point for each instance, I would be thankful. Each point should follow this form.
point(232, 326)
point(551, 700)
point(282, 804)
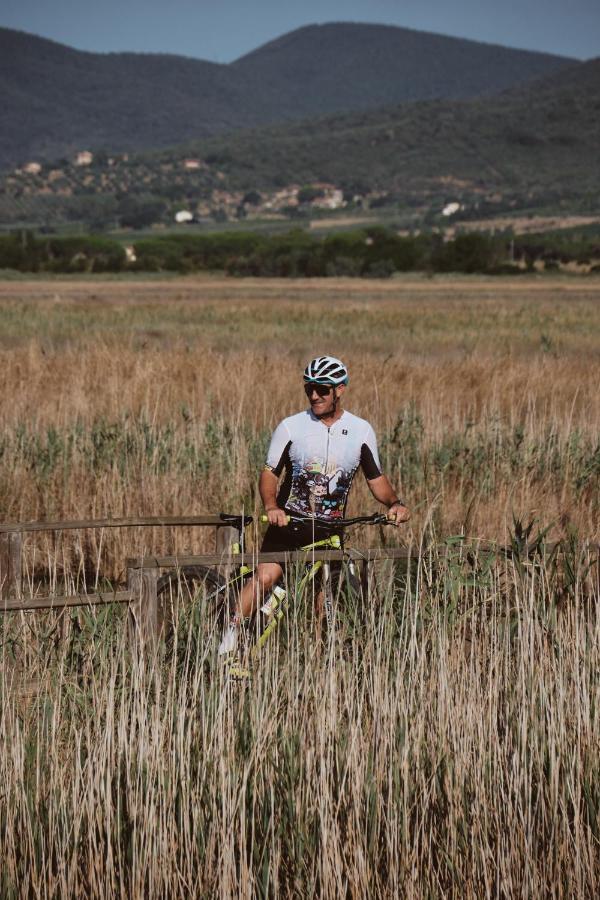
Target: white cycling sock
point(230, 640)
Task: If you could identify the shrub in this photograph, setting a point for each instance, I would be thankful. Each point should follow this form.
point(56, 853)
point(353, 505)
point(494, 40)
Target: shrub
point(343, 266)
point(308, 193)
point(27, 253)
point(468, 253)
point(383, 268)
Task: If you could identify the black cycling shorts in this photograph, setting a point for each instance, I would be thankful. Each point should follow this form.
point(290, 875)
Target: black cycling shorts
point(294, 536)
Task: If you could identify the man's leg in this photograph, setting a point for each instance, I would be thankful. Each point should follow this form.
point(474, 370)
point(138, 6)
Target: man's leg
point(266, 575)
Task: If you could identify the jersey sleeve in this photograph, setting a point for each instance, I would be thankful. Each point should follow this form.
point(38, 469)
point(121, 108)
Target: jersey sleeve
point(369, 455)
point(278, 449)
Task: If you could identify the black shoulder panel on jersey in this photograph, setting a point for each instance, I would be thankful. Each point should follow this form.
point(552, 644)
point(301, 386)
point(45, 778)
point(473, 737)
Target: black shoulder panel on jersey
point(284, 460)
point(368, 464)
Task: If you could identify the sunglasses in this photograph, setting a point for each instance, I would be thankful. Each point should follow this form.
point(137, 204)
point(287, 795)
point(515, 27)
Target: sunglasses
point(321, 389)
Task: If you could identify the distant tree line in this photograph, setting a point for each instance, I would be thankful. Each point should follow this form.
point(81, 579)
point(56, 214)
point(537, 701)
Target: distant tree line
point(24, 252)
point(371, 252)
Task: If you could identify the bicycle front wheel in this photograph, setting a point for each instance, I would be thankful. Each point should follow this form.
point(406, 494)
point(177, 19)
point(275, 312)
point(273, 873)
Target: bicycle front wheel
point(344, 603)
point(189, 593)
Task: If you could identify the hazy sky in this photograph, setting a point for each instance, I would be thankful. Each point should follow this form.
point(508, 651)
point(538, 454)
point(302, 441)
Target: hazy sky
point(222, 30)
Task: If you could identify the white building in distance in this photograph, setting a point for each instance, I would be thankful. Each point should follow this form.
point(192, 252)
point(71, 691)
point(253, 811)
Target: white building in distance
point(451, 208)
point(83, 158)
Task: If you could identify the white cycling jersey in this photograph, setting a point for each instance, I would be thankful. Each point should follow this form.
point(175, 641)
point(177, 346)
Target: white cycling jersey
point(320, 462)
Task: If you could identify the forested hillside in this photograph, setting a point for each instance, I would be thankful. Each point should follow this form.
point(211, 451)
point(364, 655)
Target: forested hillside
point(55, 100)
point(536, 147)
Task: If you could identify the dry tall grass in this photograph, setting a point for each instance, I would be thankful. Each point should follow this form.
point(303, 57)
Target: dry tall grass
point(446, 743)
point(160, 398)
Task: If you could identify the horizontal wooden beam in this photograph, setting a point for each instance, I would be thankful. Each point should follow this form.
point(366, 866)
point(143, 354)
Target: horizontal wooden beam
point(251, 559)
point(214, 559)
point(14, 604)
point(132, 522)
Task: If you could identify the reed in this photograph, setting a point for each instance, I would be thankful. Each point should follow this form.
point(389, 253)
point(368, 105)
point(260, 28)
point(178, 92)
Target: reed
point(445, 740)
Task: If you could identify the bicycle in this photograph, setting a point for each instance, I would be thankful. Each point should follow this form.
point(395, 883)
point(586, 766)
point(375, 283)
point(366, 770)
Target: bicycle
point(207, 586)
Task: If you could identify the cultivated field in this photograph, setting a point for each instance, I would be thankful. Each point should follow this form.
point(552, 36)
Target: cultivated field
point(446, 743)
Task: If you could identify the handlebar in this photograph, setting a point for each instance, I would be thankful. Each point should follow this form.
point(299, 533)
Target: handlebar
point(336, 524)
point(238, 522)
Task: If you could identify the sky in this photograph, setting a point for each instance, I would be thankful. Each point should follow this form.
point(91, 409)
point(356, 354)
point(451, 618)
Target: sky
point(223, 30)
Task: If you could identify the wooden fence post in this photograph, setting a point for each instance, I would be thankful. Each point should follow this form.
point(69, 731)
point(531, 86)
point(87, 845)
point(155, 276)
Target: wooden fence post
point(11, 543)
point(144, 625)
point(225, 537)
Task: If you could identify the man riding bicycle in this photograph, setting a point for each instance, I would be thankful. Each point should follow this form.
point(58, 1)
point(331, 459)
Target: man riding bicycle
point(318, 451)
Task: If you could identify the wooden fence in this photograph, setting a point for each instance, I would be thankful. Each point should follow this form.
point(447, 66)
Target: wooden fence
point(143, 572)
point(11, 556)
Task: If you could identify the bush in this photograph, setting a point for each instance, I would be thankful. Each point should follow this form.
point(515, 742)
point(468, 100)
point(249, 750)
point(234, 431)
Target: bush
point(343, 266)
point(140, 212)
point(383, 268)
point(469, 253)
point(252, 198)
point(83, 254)
point(155, 254)
point(308, 193)
point(18, 252)
point(27, 253)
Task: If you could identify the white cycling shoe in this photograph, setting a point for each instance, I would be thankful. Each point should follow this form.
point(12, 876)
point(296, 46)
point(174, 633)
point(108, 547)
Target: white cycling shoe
point(230, 640)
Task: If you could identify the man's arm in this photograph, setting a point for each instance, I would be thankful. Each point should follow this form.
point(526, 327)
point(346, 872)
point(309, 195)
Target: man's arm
point(269, 478)
point(267, 486)
point(378, 483)
point(383, 491)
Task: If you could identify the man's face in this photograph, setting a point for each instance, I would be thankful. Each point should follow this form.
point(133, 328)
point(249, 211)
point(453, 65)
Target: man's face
point(322, 397)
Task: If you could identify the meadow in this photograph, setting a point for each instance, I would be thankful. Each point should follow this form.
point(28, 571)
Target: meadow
point(445, 742)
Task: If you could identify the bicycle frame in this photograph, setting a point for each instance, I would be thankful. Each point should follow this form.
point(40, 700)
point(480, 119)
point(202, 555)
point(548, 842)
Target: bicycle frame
point(236, 670)
point(333, 543)
point(244, 570)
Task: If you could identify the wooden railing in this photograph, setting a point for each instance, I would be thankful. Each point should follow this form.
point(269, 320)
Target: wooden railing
point(11, 557)
point(143, 572)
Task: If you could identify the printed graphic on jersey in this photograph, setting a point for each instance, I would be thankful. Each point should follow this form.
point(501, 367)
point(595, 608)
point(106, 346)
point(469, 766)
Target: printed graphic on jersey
point(319, 491)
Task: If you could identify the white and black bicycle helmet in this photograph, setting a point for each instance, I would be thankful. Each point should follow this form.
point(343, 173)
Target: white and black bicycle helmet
point(326, 370)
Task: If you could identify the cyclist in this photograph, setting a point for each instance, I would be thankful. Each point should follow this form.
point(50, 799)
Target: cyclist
point(318, 451)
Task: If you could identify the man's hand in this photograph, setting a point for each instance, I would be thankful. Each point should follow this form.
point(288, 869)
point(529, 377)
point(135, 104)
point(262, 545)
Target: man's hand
point(385, 493)
point(398, 513)
point(276, 516)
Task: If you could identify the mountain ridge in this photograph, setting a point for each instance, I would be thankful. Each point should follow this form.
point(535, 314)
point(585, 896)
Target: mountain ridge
point(55, 100)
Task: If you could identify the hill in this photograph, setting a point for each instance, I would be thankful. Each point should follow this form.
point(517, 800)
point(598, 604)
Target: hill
point(530, 148)
point(55, 100)
point(344, 66)
point(537, 143)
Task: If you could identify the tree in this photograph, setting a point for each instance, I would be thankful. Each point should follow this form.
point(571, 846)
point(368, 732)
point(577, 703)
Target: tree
point(309, 192)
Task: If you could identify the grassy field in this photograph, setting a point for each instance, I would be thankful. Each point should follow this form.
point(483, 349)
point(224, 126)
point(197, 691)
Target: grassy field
point(446, 741)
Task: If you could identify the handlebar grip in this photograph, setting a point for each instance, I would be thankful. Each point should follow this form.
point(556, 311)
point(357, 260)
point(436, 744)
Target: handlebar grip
point(265, 519)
